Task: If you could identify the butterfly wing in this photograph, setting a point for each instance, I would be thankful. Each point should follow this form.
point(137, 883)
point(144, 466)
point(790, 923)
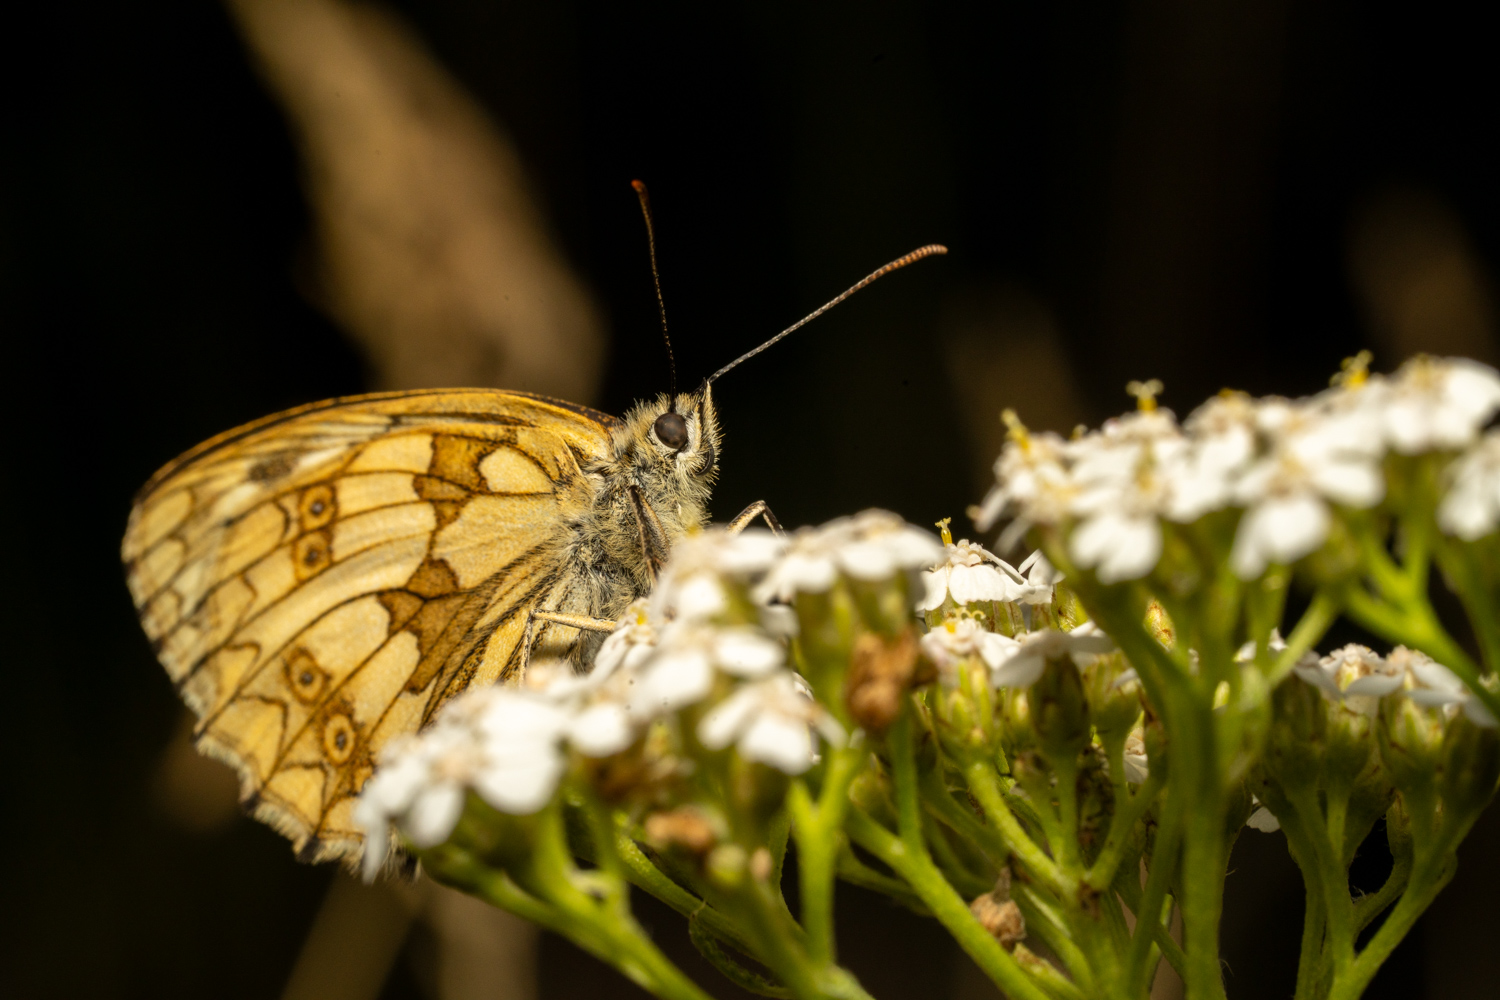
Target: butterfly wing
point(319, 582)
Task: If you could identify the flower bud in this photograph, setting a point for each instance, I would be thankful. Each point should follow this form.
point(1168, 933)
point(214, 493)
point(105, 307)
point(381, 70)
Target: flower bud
point(964, 715)
point(1294, 745)
point(686, 829)
point(726, 866)
point(1411, 742)
point(881, 670)
point(1060, 709)
point(871, 792)
point(1113, 692)
point(1018, 735)
point(1471, 767)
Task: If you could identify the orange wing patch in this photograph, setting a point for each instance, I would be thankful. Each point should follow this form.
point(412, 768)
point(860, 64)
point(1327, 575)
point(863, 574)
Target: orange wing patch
point(320, 582)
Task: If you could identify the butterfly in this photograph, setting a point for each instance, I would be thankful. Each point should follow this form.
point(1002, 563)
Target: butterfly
point(322, 581)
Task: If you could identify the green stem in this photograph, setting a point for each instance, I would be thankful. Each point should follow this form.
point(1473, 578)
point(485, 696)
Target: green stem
point(1159, 874)
point(1121, 826)
point(644, 875)
point(1426, 882)
point(938, 801)
point(985, 785)
point(592, 924)
point(817, 831)
point(856, 872)
point(1195, 770)
point(1416, 625)
point(1044, 920)
point(708, 946)
point(1333, 881)
point(1371, 906)
point(951, 911)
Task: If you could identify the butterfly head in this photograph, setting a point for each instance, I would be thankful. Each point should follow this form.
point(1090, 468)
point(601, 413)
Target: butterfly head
point(677, 437)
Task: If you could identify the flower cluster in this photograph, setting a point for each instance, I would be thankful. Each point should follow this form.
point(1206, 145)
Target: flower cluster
point(1288, 465)
point(1357, 678)
point(703, 656)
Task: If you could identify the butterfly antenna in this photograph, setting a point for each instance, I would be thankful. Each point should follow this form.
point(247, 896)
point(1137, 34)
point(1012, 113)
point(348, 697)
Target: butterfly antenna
point(661, 303)
point(932, 249)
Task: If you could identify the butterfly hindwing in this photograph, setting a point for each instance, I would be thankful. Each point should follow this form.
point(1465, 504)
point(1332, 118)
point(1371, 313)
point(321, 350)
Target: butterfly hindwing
point(319, 582)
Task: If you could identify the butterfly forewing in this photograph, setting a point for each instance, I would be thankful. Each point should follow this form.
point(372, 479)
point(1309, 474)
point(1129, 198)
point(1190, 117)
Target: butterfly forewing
point(319, 582)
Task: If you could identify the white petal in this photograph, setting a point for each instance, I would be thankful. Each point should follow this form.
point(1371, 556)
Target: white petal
point(521, 785)
point(434, 814)
point(867, 561)
point(936, 583)
point(1021, 670)
point(601, 730)
point(699, 596)
point(1373, 685)
point(723, 723)
point(779, 620)
point(746, 654)
point(1135, 553)
point(995, 648)
point(783, 743)
point(673, 680)
point(1354, 484)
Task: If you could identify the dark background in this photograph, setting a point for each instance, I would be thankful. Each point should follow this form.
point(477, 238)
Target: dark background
point(1175, 186)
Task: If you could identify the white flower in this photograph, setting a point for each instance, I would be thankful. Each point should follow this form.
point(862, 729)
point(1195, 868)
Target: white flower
point(957, 639)
point(1031, 480)
point(1471, 507)
point(692, 583)
point(1432, 685)
point(688, 657)
point(1223, 443)
point(520, 735)
point(1123, 475)
point(1022, 664)
point(630, 644)
point(1434, 404)
point(1117, 545)
point(872, 545)
point(1318, 453)
point(422, 782)
point(1355, 675)
point(770, 721)
point(971, 573)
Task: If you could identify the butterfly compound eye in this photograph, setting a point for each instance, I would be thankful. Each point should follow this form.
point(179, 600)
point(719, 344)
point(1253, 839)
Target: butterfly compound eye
point(671, 430)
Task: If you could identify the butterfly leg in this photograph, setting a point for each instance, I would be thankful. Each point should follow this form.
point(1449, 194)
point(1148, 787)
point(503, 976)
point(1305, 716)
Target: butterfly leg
point(583, 622)
point(750, 513)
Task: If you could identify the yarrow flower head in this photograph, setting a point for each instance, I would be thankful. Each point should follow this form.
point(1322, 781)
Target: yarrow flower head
point(693, 583)
point(504, 744)
point(873, 545)
point(970, 573)
point(771, 721)
point(1437, 404)
point(1354, 675)
point(960, 637)
point(688, 658)
point(1318, 452)
point(1026, 657)
point(1430, 684)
